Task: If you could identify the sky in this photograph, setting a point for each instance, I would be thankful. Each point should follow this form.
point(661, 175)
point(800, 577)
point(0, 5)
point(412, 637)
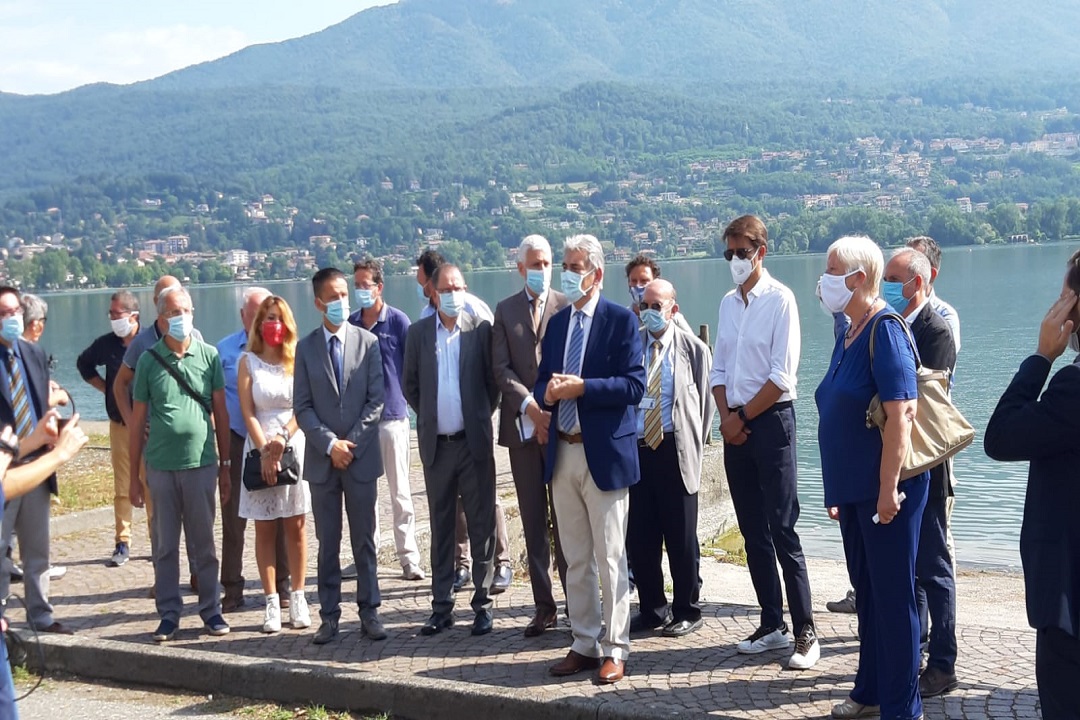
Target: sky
point(48, 46)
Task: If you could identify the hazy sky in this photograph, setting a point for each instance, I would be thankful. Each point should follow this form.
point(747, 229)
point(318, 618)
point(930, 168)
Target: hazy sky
point(47, 46)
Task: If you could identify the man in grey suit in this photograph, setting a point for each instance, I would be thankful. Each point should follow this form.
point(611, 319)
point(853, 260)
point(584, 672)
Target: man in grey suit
point(338, 399)
point(520, 322)
point(449, 383)
point(674, 422)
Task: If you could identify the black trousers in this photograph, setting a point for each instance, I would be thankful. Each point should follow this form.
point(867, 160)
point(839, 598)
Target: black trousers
point(762, 476)
point(1057, 668)
point(935, 583)
point(663, 514)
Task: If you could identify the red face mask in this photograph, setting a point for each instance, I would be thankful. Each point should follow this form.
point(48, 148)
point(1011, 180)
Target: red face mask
point(273, 332)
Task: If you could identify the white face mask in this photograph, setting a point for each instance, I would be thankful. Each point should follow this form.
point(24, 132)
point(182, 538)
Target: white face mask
point(121, 327)
point(740, 269)
point(1074, 342)
point(835, 294)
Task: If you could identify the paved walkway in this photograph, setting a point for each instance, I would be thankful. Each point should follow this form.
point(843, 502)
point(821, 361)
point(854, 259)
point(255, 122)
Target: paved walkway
point(456, 675)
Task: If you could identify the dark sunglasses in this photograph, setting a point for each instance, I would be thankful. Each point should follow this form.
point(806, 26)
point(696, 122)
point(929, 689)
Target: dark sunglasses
point(741, 253)
point(655, 306)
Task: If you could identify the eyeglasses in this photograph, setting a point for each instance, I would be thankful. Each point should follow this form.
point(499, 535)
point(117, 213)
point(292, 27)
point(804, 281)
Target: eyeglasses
point(654, 306)
point(741, 253)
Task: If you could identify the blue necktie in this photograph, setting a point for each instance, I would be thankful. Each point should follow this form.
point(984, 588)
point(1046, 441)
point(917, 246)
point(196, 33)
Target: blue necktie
point(335, 360)
point(568, 408)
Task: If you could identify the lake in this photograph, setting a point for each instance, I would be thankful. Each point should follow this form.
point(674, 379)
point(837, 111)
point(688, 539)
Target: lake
point(1001, 294)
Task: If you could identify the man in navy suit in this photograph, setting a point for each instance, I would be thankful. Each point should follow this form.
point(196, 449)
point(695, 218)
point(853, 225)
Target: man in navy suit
point(1043, 430)
point(591, 379)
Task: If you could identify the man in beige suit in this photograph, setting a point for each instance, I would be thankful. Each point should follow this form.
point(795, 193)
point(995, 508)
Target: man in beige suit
point(674, 422)
point(520, 322)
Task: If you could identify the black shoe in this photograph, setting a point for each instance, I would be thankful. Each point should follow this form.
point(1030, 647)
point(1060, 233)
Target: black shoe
point(437, 623)
point(349, 572)
point(504, 575)
point(643, 622)
point(935, 681)
point(326, 632)
point(678, 628)
point(482, 624)
point(373, 628)
point(461, 579)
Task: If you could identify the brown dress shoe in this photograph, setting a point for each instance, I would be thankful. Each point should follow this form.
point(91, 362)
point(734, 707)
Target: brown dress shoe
point(573, 663)
point(611, 671)
point(539, 624)
point(58, 629)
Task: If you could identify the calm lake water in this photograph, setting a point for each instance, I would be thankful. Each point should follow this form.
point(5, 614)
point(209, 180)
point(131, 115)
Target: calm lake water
point(1001, 295)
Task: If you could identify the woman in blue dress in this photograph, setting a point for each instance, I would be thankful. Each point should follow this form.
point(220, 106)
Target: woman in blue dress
point(861, 467)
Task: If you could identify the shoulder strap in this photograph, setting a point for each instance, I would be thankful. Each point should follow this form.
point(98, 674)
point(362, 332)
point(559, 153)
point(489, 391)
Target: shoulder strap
point(907, 334)
point(203, 403)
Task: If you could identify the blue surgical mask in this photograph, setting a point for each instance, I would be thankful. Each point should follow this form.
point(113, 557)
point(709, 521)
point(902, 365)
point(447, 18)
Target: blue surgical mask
point(654, 320)
point(893, 292)
point(451, 303)
point(571, 285)
point(180, 326)
point(538, 280)
point(365, 298)
point(636, 294)
point(12, 328)
point(337, 311)
point(420, 293)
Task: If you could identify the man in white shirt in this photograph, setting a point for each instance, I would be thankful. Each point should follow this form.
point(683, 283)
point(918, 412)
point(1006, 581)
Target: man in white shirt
point(753, 382)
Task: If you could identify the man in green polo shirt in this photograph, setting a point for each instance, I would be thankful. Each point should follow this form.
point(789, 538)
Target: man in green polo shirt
point(182, 465)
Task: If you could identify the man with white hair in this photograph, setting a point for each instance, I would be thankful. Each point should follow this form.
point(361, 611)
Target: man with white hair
point(591, 379)
point(233, 526)
point(520, 323)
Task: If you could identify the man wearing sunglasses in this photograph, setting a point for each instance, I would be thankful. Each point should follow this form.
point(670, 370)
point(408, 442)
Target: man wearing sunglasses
point(753, 382)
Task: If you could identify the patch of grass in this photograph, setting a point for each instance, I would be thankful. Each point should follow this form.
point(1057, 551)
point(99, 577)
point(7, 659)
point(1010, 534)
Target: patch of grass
point(270, 711)
point(87, 481)
point(23, 676)
point(727, 547)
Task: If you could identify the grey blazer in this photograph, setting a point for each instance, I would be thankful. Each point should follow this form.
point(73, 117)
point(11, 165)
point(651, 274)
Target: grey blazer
point(479, 396)
point(325, 416)
point(515, 355)
point(692, 407)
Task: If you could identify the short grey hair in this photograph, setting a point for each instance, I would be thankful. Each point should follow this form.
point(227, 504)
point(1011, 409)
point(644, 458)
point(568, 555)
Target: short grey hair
point(589, 245)
point(127, 300)
point(168, 292)
point(918, 263)
point(532, 242)
point(34, 308)
point(250, 292)
point(858, 252)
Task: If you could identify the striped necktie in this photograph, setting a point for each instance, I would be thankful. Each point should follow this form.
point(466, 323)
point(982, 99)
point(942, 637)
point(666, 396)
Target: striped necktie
point(20, 403)
point(568, 408)
point(654, 426)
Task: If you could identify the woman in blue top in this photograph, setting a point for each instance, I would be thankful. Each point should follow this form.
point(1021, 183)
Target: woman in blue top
point(860, 467)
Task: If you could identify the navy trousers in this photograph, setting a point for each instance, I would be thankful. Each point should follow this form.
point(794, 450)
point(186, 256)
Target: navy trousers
point(935, 582)
point(763, 479)
point(881, 566)
point(1057, 668)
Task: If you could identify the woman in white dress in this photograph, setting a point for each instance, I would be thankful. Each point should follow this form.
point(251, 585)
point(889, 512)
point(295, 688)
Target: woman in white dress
point(265, 382)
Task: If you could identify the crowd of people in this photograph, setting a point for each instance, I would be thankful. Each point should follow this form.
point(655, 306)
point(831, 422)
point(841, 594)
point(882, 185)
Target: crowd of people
point(605, 410)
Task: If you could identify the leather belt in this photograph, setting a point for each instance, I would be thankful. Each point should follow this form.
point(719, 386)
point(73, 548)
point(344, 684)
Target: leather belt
point(455, 437)
point(574, 439)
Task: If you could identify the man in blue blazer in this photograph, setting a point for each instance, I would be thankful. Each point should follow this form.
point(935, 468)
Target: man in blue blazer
point(1044, 431)
point(591, 379)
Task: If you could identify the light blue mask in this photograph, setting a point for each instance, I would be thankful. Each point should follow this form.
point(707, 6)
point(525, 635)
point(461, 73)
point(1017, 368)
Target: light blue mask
point(636, 294)
point(337, 311)
point(180, 326)
point(451, 303)
point(538, 280)
point(365, 298)
point(571, 285)
point(893, 292)
point(12, 328)
point(420, 293)
point(654, 320)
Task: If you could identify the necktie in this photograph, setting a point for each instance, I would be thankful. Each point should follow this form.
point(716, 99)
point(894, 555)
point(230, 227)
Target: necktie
point(19, 401)
point(654, 426)
point(568, 408)
point(535, 303)
point(335, 360)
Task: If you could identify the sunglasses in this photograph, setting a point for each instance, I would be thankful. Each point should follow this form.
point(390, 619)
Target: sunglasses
point(741, 253)
point(655, 306)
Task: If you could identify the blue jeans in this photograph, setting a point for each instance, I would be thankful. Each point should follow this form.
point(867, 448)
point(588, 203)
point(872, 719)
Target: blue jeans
point(7, 686)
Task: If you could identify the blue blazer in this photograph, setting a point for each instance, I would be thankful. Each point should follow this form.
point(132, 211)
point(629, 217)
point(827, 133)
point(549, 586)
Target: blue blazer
point(614, 385)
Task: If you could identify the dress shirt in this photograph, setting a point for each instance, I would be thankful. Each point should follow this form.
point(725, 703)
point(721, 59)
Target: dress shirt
point(340, 335)
point(448, 355)
point(756, 342)
point(472, 305)
point(948, 314)
point(229, 350)
point(588, 310)
point(541, 303)
point(910, 317)
point(667, 379)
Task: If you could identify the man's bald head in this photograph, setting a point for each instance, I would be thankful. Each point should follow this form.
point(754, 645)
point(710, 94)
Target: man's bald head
point(166, 281)
point(659, 290)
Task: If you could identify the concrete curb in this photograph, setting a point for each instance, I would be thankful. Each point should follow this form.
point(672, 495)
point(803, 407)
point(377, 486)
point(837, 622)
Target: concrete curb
point(76, 522)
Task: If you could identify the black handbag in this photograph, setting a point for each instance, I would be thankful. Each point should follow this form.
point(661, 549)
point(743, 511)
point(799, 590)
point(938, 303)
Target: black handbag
point(289, 474)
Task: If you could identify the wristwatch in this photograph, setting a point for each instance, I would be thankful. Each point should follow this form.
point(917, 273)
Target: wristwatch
point(225, 463)
point(742, 415)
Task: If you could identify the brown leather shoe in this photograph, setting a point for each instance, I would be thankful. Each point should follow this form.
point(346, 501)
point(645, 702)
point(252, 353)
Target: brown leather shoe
point(573, 663)
point(58, 629)
point(539, 624)
point(611, 671)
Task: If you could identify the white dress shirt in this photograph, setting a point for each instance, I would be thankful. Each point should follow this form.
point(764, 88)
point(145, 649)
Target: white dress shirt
point(448, 355)
point(587, 311)
point(757, 342)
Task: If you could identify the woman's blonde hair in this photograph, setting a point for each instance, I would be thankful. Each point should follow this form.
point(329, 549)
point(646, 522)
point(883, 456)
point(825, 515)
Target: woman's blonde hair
point(256, 344)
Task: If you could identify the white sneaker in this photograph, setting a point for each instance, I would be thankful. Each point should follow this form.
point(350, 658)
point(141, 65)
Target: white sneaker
point(272, 623)
point(807, 649)
point(57, 571)
point(412, 572)
point(765, 639)
point(299, 616)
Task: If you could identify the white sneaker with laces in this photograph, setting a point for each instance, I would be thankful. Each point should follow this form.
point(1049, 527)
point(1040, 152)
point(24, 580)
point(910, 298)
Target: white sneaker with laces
point(765, 639)
point(272, 621)
point(299, 615)
point(807, 649)
point(412, 572)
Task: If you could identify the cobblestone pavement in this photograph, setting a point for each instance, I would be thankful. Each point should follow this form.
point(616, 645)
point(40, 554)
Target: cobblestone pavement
point(700, 675)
